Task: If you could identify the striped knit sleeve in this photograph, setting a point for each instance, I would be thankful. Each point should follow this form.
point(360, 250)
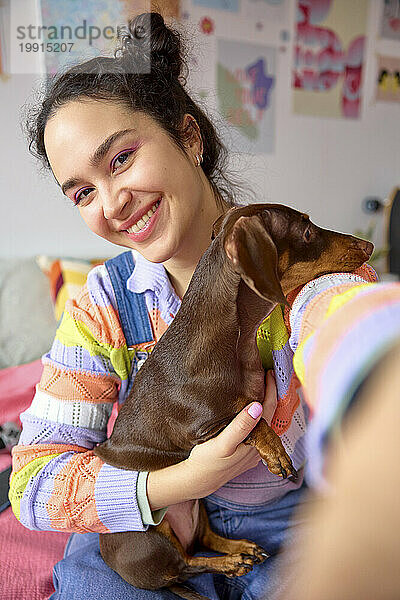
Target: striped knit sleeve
point(340, 329)
point(57, 482)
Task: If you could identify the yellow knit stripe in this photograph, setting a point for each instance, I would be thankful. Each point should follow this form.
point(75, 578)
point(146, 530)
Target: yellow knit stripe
point(336, 302)
point(73, 333)
point(271, 335)
point(341, 299)
point(20, 480)
point(298, 359)
point(279, 333)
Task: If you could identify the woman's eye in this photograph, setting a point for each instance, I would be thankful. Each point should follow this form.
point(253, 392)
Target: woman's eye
point(80, 196)
point(122, 158)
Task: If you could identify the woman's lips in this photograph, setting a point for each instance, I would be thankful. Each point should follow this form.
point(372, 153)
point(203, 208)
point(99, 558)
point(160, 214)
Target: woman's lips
point(144, 233)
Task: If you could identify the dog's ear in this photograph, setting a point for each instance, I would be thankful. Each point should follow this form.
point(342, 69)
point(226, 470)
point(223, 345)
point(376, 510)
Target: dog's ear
point(254, 256)
point(218, 223)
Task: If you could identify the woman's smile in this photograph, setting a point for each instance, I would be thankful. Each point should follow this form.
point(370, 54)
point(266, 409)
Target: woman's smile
point(142, 228)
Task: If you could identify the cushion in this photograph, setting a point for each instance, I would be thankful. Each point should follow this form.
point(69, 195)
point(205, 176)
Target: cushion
point(28, 325)
point(66, 276)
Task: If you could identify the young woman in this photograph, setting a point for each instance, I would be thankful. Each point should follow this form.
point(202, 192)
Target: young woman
point(145, 168)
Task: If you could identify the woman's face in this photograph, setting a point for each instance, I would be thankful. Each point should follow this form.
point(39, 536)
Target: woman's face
point(131, 184)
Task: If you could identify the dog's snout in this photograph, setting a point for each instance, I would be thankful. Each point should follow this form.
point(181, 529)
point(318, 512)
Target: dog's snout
point(363, 245)
point(369, 248)
point(366, 247)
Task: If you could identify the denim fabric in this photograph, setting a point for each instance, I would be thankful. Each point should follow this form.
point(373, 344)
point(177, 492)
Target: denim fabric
point(83, 575)
point(132, 308)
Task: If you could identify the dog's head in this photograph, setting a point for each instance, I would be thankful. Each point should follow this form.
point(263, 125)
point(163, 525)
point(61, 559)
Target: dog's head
point(275, 248)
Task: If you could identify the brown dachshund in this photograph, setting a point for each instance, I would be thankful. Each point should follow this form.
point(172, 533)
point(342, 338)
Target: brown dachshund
point(205, 369)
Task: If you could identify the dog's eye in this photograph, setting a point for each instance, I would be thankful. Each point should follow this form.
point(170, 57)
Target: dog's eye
point(307, 235)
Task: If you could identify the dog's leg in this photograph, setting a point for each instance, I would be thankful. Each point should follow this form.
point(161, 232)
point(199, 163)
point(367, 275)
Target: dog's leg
point(209, 539)
point(271, 450)
point(233, 565)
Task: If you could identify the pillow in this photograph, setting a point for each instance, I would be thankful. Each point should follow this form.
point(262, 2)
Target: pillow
point(28, 325)
point(66, 277)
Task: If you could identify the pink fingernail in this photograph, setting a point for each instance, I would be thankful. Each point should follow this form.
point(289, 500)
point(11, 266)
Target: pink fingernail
point(255, 410)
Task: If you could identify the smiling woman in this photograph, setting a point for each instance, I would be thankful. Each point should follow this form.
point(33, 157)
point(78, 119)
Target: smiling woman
point(119, 141)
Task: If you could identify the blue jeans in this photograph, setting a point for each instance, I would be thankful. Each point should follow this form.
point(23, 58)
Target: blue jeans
point(83, 575)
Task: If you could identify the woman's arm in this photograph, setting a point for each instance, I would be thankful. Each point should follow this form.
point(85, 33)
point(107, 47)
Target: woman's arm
point(57, 482)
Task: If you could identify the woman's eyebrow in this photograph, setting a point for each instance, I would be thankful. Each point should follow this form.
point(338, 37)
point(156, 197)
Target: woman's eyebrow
point(97, 155)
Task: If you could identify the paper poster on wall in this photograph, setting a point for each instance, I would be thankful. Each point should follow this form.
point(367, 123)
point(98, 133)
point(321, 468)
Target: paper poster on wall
point(390, 25)
point(270, 10)
point(77, 30)
point(4, 39)
point(328, 58)
point(245, 93)
point(230, 5)
point(388, 79)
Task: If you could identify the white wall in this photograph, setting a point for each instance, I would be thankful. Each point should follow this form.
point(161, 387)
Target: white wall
point(323, 166)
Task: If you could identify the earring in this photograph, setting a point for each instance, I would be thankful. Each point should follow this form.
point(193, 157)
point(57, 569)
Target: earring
point(199, 160)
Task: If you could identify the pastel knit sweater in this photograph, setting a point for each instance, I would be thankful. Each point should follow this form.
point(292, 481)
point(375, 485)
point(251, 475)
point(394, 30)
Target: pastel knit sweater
point(58, 483)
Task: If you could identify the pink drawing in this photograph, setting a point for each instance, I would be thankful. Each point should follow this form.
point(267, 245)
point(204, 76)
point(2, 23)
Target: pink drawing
point(320, 59)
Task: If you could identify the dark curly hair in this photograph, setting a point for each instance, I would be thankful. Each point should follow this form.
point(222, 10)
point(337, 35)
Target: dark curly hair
point(159, 93)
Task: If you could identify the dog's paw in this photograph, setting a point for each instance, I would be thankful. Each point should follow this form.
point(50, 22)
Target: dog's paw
point(251, 549)
point(281, 465)
point(238, 564)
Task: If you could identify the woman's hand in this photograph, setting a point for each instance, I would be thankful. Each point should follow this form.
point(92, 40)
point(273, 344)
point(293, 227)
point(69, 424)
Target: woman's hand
point(213, 463)
point(224, 457)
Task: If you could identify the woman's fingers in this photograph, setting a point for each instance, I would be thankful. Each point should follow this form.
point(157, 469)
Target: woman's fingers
point(271, 397)
point(238, 429)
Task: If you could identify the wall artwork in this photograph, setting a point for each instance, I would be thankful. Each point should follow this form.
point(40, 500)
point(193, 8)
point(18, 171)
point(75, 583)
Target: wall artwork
point(329, 57)
point(390, 24)
point(271, 10)
point(230, 5)
point(246, 76)
point(388, 79)
point(4, 39)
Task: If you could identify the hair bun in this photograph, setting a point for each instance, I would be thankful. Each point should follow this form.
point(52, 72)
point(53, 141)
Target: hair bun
point(149, 42)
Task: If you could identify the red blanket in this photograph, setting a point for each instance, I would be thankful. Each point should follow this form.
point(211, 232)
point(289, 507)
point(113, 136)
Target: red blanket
point(26, 557)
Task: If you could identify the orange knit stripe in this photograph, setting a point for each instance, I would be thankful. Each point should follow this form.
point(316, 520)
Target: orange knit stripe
point(75, 386)
point(286, 407)
point(102, 321)
point(22, 455)
point(71, 506)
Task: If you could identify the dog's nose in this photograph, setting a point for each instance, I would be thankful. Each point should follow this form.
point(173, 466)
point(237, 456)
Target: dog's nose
point(368, 248)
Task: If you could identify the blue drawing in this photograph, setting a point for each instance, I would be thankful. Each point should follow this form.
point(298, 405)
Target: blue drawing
point(231, 5)
point(261, 83)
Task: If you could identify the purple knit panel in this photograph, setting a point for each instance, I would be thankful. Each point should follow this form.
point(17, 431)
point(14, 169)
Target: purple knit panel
point(38, 431)
point(116, 504)
point(77, 358)
point(101, 291)
point(283, 367)
point(255, 487)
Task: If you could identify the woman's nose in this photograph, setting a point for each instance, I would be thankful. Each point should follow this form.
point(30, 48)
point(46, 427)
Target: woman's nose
point(115, 206)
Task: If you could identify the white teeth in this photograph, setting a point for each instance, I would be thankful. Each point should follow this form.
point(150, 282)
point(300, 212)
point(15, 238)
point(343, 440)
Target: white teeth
point(143, 220)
